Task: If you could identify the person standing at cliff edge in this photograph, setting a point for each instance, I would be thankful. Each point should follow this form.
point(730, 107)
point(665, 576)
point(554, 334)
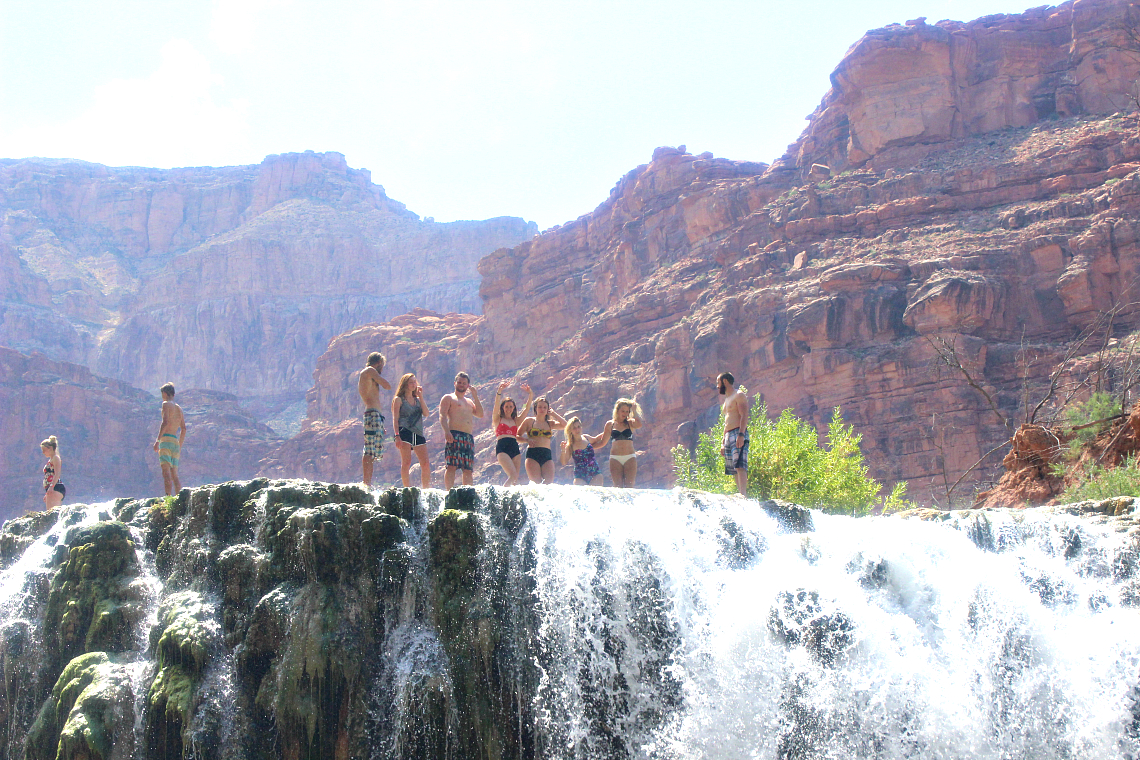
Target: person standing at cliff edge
point(168, 445)
point(368, 384)
point(456, 417)
point(735, 444)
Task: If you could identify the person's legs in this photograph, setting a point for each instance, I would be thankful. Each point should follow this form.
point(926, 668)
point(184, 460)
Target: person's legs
point(53, 498)
point(468, 477)
point(617, 473)
point(548, 472)
point(174, 479)
point(630, 473)
point(166, 478)
point(509, 467)
point(742, 481)
point(533, 470)
point(405, 462)
point(449, 477)
point(596, 480)
point(366, 466)
point(518, 462)
point(425, 466)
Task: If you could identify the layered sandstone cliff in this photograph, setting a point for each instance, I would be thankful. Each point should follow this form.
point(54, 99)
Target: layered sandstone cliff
point(231, 279)
point(1004, 229)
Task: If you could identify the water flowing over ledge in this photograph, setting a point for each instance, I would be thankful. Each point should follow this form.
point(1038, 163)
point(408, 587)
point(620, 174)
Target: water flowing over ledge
point(307, 620)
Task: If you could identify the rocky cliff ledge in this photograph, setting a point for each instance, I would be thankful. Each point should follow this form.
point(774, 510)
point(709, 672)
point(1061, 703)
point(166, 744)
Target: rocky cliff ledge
point(822, 287)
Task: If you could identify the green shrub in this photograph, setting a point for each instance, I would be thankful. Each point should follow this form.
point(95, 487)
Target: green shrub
point(1099, 406)
point(1105, 482)
point(785, 461)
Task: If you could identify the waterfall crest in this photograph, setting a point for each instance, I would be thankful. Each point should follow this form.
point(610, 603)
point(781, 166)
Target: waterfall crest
point(306, 620)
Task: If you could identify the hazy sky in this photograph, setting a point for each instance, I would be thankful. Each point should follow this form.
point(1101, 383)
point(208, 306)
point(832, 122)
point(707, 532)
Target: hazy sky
point(461, 110)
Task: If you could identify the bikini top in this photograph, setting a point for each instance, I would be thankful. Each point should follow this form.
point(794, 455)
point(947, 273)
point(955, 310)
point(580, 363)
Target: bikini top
point(505, 429)
point(540, 433)
point(49, 474)
point(622, 435)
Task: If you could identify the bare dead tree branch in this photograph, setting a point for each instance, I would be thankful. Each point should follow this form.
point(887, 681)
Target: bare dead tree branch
point(948, 353)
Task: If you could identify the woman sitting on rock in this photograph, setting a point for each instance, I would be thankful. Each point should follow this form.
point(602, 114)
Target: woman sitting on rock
point(538, 431)
point(623, 459)
point(408, 410)
point(579, 449)
point(505, 419)
point(54, 491)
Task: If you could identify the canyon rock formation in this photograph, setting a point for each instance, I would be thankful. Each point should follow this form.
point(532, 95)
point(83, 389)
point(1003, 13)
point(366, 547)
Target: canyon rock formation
point(969, 186)
point(230, 279)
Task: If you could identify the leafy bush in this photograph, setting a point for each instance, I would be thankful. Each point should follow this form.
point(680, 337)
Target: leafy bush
point(785, 461)
point(1105, 482)
point(1099, 406)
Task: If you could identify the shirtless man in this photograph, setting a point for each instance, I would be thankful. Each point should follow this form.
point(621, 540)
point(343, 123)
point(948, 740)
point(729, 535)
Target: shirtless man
point(368, 384)
point(735, 445)
point(168, 445)
point(456, 417)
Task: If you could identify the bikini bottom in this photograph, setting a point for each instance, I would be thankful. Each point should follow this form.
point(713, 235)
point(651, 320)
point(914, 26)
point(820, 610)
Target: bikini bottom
point(621, 458)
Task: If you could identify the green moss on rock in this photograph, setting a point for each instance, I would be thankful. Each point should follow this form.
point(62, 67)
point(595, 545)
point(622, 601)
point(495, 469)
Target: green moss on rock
point(92, 604)
point(89, 712)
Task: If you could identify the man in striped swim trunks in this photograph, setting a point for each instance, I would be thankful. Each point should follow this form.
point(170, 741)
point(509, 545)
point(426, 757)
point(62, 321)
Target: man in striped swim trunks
point(168, 445)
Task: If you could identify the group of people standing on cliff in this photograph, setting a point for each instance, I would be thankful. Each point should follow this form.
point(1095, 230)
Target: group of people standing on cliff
point(534, 425)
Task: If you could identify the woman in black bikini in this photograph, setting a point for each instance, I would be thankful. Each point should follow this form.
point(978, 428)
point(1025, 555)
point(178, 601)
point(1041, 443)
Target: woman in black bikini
point(505, 419)
point(623, 459)
point(408, 411)
point(538, 431)
point(54, 491)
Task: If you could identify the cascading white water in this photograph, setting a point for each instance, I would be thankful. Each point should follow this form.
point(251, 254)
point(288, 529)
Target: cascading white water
point(662, 637)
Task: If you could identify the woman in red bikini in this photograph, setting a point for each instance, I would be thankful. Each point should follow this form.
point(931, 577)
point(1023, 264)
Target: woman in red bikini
point(505, 418)
point(54, 491)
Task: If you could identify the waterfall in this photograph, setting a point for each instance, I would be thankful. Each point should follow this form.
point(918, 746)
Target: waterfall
point(285, 618)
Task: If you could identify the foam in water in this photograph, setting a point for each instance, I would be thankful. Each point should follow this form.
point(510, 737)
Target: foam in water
point(929, 646)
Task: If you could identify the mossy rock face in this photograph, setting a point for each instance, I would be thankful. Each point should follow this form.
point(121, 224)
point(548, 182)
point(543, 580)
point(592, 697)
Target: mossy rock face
point(89, 715)
point(21, 532)
point(92, 604)
point(185, 641)
point(329, 543)
point(469, 566)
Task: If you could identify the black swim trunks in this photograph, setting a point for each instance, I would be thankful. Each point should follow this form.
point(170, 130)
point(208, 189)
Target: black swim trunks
point(508, 446)
point(460, 453)
point(539, 454)
point(415, 439)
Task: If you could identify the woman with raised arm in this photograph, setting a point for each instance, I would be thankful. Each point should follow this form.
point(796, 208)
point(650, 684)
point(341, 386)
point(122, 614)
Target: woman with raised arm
point(408, 411)
point(54, 490)
point(623, 459)
point(538, 432)
point(505, 420)
point(579, 449)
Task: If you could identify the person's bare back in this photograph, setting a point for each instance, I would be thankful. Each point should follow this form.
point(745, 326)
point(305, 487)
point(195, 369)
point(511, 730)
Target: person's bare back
point(171, 436)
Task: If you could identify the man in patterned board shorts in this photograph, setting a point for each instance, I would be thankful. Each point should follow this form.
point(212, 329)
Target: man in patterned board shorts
point(457, 415)
point(735, 445)
point(368, 384)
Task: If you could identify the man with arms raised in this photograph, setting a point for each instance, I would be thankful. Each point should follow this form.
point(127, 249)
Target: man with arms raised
point(735, 446)
point(168, 445)
point(456, 417)
point(368, 384)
